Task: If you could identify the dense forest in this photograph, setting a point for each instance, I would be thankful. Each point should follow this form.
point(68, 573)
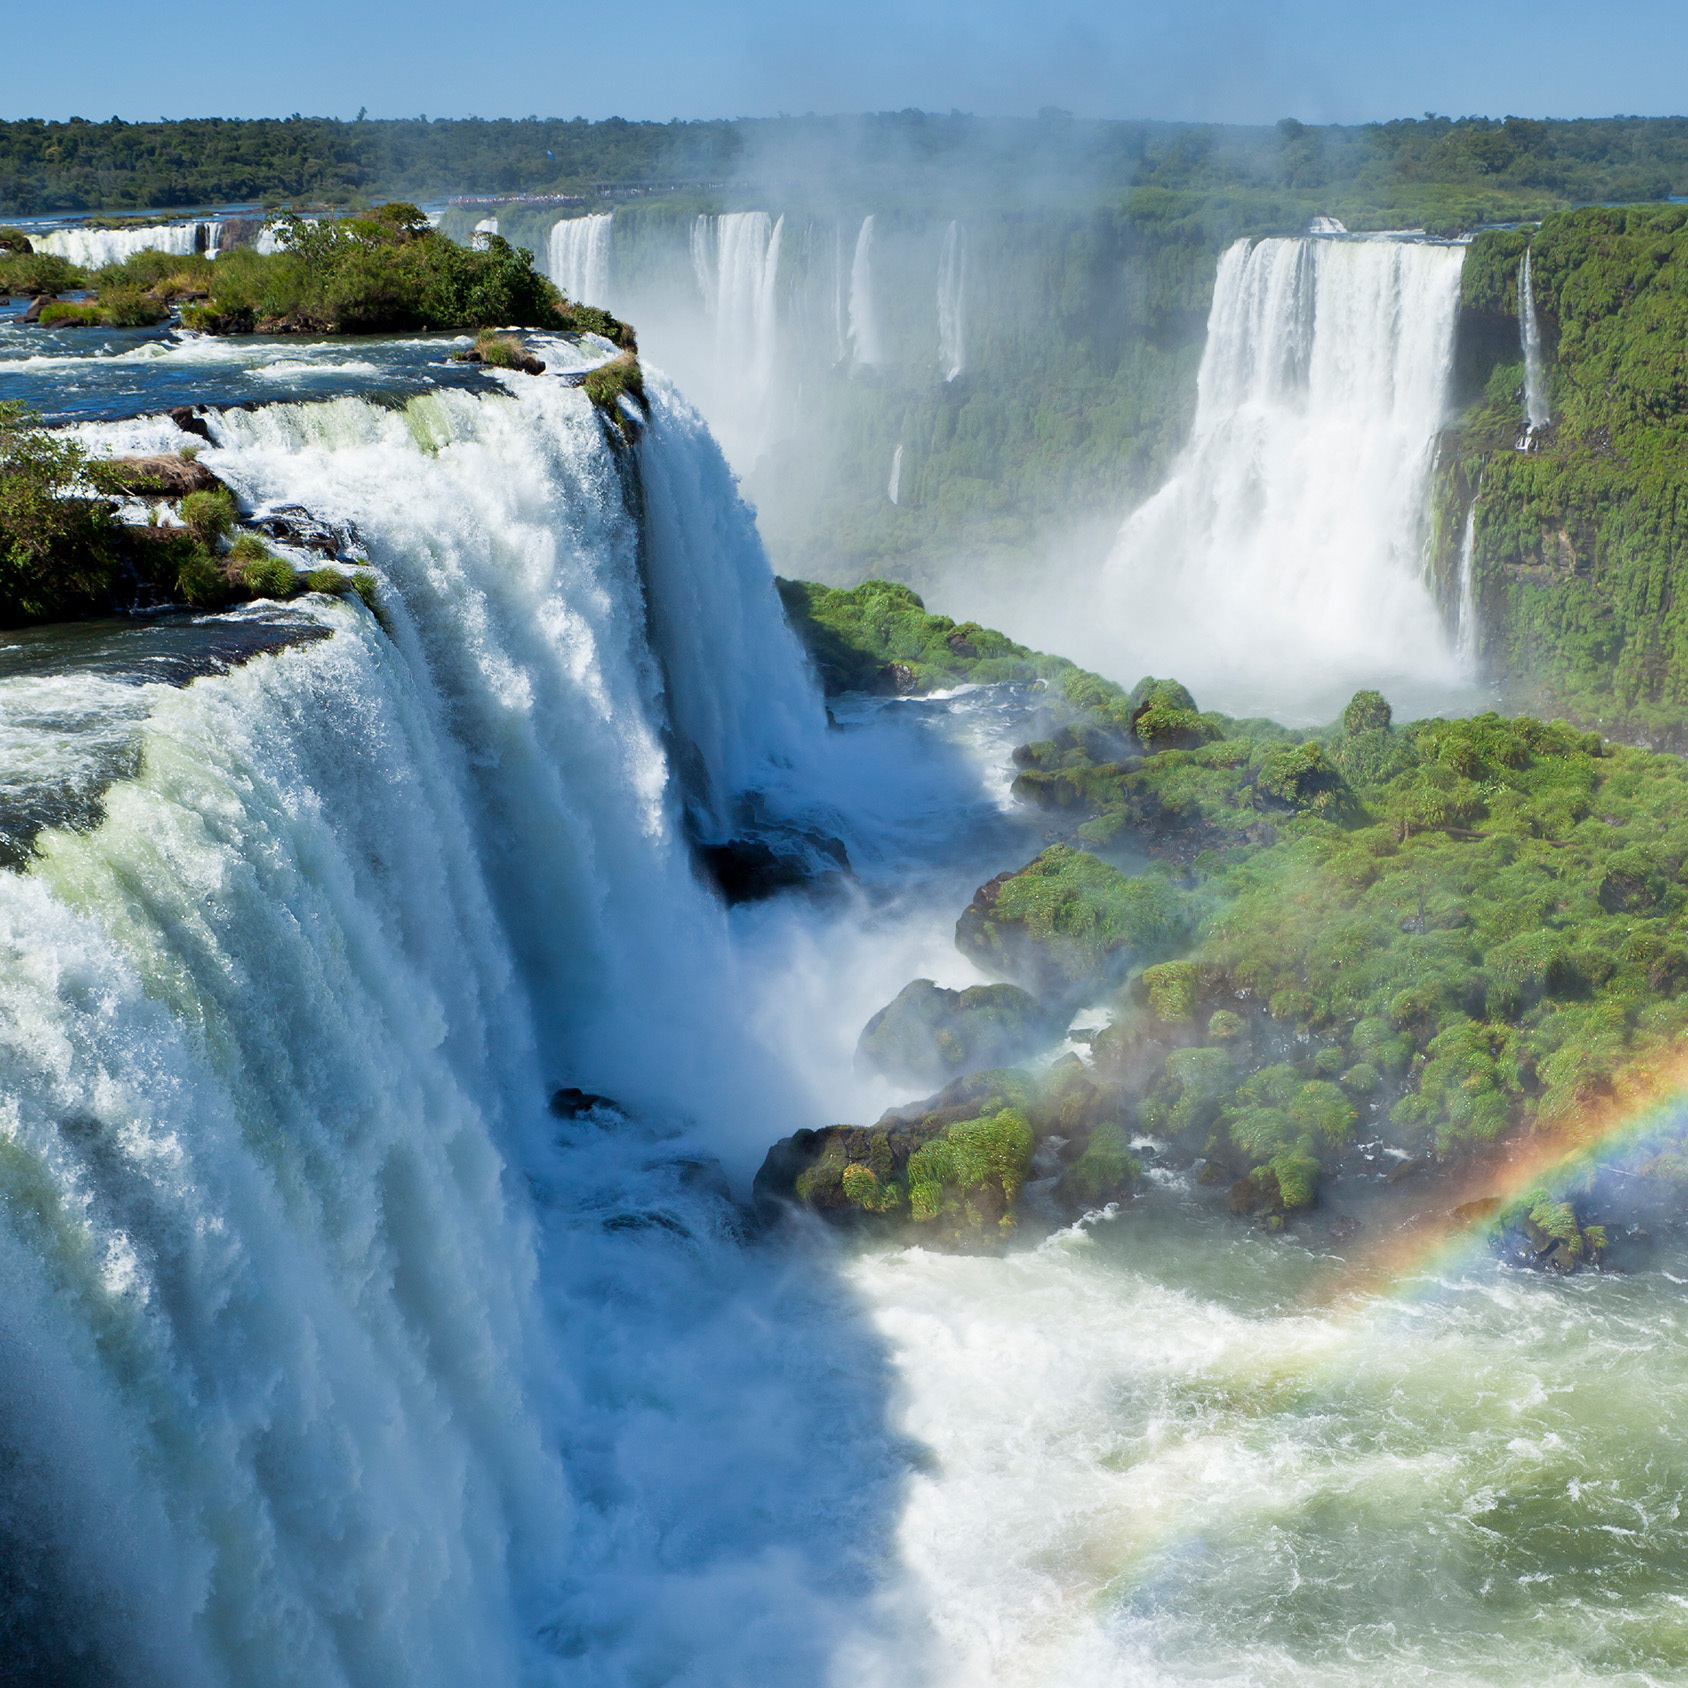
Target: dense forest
point(1579, 542)
point(1441, 170)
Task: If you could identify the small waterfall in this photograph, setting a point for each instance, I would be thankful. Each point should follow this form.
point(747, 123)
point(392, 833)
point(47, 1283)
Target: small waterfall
point(736, 259)
point(579, 258)
point(840, 316)
point(93, 249)
point(1287, 550)
point(864, 322)
point(1529, 338)
point(1465, 634)
point(894, 486)
point(952, 283)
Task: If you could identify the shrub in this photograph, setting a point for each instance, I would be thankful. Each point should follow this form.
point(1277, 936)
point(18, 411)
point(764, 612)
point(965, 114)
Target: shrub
point(58, 537)
point(209, 516)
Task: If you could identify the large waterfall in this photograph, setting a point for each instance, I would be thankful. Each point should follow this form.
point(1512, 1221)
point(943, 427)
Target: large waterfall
point(92, 249)
point(579, 258)
point(1285, 556)
point(736, 262)
point(278, 1402)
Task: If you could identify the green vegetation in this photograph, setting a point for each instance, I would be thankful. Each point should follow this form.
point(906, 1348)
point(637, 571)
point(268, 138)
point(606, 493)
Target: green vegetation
point(1068, 921)
point(1472, 168)
point(953, 1168)
point(1580, 543)
point(384, 271)
point(59, 542)
point(606, 385)
point(1437, 934)
point(64, 554)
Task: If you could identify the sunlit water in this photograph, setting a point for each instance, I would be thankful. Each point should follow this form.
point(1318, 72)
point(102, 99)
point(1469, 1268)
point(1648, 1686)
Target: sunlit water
point(328, 1355)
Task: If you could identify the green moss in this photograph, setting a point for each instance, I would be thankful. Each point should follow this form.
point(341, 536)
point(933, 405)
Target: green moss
point(609, 383)
point(1068, 920)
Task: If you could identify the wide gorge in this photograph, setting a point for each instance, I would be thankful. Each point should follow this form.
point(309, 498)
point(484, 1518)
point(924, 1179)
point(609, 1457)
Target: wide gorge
point(878, 903)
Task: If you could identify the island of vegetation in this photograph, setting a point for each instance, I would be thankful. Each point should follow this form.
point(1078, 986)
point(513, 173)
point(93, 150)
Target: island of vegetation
point(1321, 953)
point(385, 271)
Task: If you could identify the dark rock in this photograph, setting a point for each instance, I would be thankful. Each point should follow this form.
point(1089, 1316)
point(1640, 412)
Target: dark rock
point(572, 1103)
point(897, 678)
point(929, 1034)
point(190, 421)
point(748, 870)
point(33, 314)
point(293, 524)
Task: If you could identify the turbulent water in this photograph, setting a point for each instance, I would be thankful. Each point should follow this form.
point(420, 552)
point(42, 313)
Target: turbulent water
point(329, 1356)
point(1284, 560)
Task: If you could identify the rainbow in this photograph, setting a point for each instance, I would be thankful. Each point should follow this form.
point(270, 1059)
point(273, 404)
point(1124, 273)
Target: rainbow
point(1648, 1106)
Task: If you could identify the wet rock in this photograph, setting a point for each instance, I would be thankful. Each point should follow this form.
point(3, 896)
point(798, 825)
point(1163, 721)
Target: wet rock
point(927, 1034)
point(190, 421)
point(750, 869)
point(37, 305)
point(573, 1103)
point(293, 524)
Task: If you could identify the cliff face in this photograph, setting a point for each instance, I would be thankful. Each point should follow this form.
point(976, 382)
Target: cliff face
point(1578, 543)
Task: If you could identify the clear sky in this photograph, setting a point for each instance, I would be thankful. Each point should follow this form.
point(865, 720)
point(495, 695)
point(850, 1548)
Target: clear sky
point(1230, 60)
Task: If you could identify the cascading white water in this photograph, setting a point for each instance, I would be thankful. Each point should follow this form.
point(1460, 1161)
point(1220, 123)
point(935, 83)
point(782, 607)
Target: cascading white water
point(94, 248)
point(1465, 634)
point(952, 302)
point(1529, 338)
point(1284, 559)
point(736, 260)
point(894, 486)
point(277, 1035)
point(864, 319)
point(579, 258)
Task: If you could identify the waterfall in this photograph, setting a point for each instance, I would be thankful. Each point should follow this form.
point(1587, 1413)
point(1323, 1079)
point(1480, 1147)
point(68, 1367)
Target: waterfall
point(735, 260)
point(281, 1400)
point(1529, 338)
point(579, 258)
point(1286, 553)
point(864, 323)
point(894, 486)
point(840, 318)
point(1465, 638)
point(952, 282)
point(93, 249)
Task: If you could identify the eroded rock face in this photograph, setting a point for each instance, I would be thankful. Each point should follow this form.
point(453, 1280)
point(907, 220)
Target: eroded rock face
point(928, 1035)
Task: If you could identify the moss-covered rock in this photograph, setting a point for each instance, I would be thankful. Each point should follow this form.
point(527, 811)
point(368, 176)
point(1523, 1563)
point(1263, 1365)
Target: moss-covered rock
point(929, 1035)
point(1067, 924)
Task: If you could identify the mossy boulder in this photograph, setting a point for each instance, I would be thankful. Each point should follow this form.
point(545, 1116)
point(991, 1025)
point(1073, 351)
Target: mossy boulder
point(950, 1171)
point(928, 1035)
point(1067, 924)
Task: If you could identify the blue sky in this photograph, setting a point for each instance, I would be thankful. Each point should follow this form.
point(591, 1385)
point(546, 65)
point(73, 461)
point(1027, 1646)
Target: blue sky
point(1319, 60)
